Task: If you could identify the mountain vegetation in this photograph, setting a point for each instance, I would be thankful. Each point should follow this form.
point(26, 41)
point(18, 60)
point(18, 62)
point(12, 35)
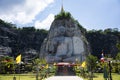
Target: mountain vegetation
point(20, 39)
point(104, 40)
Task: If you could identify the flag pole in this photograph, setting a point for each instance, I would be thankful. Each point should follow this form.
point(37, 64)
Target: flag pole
point(19, 71)
point(18, 61)
point(110, 68)
point(14, 78)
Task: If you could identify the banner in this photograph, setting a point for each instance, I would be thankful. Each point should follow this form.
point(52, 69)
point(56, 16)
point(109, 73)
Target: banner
point(18, 59)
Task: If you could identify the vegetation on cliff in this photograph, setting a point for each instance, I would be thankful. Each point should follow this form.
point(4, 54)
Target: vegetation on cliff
point(19, 39)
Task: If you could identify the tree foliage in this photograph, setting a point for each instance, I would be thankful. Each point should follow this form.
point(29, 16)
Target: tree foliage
point(118, 46)
point(20, 39)
point(118, 56)
point(103, 41)
point(91, 62)
point(6, 65)
point(91, 65)
point(63, 15)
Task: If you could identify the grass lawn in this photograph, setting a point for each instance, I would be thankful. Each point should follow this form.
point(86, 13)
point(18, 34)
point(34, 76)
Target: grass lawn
point(98, 76)
point(21, 76)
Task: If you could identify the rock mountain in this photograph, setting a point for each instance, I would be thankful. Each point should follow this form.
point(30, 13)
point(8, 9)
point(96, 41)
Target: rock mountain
point(65, 41)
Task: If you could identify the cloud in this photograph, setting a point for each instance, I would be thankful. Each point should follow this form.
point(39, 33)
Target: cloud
point(22, 11)
point(45, 24)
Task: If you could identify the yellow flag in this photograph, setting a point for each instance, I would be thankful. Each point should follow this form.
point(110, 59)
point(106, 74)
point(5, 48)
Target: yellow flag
point(83, 64)
point(8, 66)
point(54, 64)
point(47, 66)
point(18, 59)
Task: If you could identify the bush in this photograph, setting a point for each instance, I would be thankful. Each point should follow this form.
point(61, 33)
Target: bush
point(63, 15)
point(28, 67)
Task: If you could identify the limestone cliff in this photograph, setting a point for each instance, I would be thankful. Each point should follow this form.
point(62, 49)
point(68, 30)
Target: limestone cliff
point(64, 42)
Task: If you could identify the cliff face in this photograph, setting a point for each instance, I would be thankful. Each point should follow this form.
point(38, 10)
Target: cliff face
point(64, 42)
point(17, 40)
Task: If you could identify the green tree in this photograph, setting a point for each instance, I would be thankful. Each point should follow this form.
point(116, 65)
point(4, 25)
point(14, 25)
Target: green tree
point(118, 46)
point(63, 15)
point(38, 66)
point(91, 64)
point(6, 65)
point(118, 56)
point(103, 40)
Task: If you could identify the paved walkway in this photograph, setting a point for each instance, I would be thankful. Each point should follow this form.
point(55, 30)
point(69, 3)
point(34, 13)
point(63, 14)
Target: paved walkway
point(64, 78)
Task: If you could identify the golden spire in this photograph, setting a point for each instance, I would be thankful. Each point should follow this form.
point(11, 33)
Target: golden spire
point(62, 9)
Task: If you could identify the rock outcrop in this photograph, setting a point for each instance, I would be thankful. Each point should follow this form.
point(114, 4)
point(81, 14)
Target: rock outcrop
point(15, 40)
point(64, 42)
point(4, 51)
